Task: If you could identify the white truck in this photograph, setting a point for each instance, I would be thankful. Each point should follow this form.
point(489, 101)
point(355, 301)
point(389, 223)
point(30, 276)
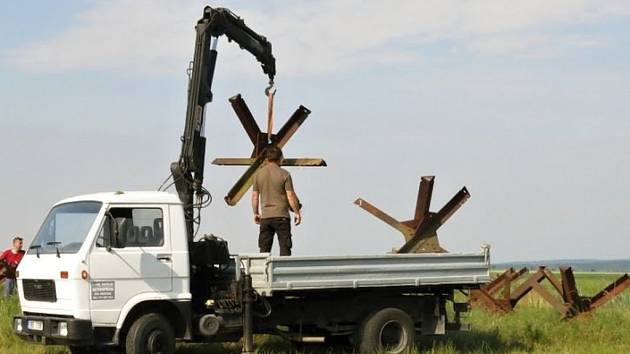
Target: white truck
point(121, 271)
point(115, 271)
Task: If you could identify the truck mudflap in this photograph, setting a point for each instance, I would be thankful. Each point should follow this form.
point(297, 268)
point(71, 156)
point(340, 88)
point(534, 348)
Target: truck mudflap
point(54, 330)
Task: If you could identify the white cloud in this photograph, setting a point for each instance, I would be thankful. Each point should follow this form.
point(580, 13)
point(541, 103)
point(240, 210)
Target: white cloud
point(156, 37)
point(145, 36)
point(531, 46)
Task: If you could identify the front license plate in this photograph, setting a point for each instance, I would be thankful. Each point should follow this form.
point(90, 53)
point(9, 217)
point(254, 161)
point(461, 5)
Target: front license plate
point(35, 325)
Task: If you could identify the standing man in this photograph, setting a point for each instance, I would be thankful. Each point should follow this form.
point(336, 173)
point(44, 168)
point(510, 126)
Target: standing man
point(273, 190)
point(12, 257)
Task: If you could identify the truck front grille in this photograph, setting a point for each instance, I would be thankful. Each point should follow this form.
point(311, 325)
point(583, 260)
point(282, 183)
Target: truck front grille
point(39, 290)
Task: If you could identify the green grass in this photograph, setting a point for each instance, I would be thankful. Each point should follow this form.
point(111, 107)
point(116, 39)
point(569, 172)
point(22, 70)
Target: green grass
point(12, 344)
point(533, 328)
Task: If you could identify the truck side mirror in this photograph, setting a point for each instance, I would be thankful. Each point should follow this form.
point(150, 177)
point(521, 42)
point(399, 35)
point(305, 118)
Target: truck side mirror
point(119, 236)
point(114, 238)
point(108, 229)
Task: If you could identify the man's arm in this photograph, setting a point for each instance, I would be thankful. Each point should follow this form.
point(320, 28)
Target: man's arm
point(255, 202)
point(294, 202)
point(295, 206)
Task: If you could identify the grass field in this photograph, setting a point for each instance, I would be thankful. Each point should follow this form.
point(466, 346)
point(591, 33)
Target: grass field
point(533, 328)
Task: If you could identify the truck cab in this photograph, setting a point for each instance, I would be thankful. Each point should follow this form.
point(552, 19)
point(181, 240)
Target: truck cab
point(98, 258)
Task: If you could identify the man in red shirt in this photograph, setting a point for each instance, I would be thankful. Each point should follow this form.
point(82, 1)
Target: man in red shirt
point(11, 258)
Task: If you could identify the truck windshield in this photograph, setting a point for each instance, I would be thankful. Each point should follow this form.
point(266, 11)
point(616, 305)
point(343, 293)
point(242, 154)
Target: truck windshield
point(65, 228)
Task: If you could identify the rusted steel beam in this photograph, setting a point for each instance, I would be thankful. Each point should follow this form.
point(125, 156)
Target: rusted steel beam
point(429, 226)
point(557, 284)
point(244, 182)
point(452, 206)
point(261, 142)
point(416, 242)
point(290, 127)
point(507, 290)
point(486, 300)
point(534, 283)
point(569, 292)
point(246, 118)
point(427, 243)
point(487, 295)
point(518, 274)
point(233, 161)
point(498, 282)
point(425, 192)
point(511, 277)
point(568, 302)
point(299, 162)
point(608, 293)
point(578, 304)
point(559, 306)
point(421, 232)
point(527, 286)
point(386, 218)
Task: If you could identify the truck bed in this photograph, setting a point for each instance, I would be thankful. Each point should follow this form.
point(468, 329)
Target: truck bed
point(276, 274)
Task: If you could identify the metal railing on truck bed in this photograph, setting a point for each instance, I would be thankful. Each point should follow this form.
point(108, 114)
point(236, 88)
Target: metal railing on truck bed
point(271, 274)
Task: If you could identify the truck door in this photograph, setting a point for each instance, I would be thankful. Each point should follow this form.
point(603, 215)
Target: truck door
point(142, 266)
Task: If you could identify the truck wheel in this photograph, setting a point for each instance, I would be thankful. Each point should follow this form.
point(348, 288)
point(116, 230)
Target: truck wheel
point(150, 334)
point(389, 330)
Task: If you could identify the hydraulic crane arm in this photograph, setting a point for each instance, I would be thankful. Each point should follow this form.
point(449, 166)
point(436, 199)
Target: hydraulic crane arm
point(188, 170)
point(222, 21)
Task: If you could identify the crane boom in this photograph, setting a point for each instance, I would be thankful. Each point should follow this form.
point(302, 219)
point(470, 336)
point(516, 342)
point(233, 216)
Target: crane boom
point(188, 171)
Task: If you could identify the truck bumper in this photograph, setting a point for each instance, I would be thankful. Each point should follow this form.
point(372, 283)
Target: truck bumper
point(54, 330)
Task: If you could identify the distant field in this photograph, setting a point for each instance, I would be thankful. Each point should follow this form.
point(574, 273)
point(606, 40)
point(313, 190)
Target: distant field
point(578, 265)
point(533, 328)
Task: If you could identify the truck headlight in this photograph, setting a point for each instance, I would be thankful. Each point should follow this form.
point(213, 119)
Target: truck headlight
point(18, 324)
point(63, 329)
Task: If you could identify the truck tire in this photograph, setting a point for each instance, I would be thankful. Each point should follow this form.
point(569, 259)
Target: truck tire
point(390, 330)
point(150, 334)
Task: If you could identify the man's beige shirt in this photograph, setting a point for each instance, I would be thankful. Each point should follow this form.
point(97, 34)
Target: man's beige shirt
point(273, 183)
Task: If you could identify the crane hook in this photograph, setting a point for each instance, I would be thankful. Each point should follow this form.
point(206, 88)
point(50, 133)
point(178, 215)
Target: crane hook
point(270, 89)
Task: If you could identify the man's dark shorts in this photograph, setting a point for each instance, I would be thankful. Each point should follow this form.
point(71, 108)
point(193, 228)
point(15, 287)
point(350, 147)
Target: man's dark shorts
point(271, 226)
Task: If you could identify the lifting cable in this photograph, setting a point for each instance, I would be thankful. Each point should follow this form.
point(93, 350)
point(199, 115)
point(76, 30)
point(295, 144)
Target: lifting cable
point(270, 92)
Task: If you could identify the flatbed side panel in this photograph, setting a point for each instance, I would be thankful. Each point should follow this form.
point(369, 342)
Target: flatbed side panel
point(272, 274)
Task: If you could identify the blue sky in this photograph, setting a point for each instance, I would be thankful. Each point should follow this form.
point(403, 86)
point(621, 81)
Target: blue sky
point(525, 103)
